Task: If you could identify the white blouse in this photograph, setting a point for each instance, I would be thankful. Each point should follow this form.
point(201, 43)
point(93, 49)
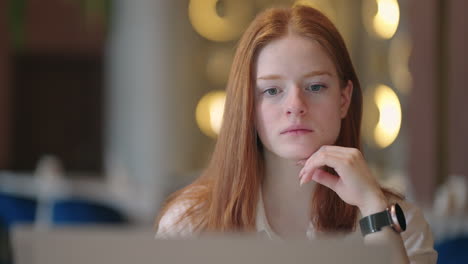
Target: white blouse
point(417, 238)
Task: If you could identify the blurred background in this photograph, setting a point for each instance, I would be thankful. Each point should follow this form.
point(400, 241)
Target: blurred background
point(108, 106)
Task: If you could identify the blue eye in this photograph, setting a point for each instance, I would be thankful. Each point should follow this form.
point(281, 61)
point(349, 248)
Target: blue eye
point(315, 87)
point(271, 91)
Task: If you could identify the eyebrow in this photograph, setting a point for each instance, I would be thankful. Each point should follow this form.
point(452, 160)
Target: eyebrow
point(310, 74)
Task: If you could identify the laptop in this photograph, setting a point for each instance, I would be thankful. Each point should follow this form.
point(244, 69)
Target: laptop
point(79, 245)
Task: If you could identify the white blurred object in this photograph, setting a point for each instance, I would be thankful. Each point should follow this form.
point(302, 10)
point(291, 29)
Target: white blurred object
point(119, 182)
point(448, 216)
point(136, 198)
point(49, 169)
point(49, 173)
point(450, 198)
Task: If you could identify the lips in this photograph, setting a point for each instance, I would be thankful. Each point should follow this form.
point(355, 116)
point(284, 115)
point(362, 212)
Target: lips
point(296, 129)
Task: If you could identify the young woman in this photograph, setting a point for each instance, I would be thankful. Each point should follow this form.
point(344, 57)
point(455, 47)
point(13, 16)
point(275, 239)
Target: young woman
point(287, 161)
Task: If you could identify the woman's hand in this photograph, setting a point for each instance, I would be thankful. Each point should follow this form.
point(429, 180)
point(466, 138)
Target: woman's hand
point(354, 184)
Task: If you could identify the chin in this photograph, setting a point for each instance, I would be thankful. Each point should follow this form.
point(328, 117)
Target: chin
point(296, 154)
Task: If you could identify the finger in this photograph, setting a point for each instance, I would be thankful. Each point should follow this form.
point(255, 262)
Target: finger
point(324, 150)
point(343, 153)
point(321, 159)
point(305, 178)
point(351, 155)
point(301, 162)
point(331, 156)
point(338, 149)
point(325, 178)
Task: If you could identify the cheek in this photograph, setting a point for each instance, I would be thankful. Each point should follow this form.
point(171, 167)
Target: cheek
point(265, 117)
point(331, 123)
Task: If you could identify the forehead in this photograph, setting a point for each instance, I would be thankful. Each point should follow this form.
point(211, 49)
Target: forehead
point(293, 55)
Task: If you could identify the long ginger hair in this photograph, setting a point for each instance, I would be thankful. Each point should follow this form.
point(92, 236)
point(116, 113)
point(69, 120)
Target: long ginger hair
point(224, 197)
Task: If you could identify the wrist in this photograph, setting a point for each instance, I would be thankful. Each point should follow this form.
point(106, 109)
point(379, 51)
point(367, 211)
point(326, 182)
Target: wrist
point(375, 204)
point(393, 217)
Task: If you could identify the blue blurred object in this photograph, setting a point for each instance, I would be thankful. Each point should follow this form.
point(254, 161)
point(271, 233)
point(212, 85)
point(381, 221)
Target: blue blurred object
point(78, 211)
point(453, 250)
point(16, 209)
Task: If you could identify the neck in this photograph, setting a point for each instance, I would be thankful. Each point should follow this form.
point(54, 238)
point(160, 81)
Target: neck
point(287, 205)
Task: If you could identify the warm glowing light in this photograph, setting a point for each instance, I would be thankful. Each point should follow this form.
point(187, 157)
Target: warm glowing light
point(386, 20)
point(209, 113)
point(389, 123)
point(370, 116)
point(216, 113)
point(220, 20)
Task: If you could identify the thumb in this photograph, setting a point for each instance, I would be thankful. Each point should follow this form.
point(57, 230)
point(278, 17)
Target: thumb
point(301, 162)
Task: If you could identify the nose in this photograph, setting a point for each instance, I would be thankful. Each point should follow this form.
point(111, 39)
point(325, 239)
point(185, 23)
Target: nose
point(295, 104)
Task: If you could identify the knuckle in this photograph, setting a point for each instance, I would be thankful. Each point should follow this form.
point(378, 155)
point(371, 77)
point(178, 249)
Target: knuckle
point(322, 155)
point(349, 160)
point(322, 149)
point(356, 154)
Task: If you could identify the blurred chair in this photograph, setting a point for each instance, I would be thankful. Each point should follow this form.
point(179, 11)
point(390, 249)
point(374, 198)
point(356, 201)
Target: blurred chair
point(453, 250)
point(79, 211)
point(20, 210)
point(13, 209)
point(5, 248)
point(16, 209)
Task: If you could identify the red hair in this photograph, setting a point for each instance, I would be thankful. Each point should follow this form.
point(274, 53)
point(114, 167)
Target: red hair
point(225, 196)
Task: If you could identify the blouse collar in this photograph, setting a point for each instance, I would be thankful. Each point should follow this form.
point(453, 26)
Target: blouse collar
point(264, 228)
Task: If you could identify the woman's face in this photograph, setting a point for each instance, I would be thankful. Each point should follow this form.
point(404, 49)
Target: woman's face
point(298, 99)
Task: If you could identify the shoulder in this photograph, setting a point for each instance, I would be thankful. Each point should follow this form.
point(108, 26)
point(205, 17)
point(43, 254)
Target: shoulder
point(172, 224)
point(175, 221)
point(417, 238)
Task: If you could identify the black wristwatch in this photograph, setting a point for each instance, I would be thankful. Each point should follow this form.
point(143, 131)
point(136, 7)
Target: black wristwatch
point(392, 216)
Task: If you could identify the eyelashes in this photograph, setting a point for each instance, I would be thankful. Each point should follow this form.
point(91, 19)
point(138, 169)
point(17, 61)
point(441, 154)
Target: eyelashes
point(313, 88)
point(316, 87)
point(271, 91)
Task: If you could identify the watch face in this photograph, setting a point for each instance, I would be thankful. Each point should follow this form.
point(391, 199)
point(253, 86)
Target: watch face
point(401, 217)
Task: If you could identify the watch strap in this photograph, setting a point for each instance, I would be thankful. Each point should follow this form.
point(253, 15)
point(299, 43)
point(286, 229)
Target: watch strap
point(375, 222)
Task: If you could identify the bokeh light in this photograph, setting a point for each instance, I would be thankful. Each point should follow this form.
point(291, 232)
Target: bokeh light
point(387, 18)
point(220, 20)
point(381, 116)
point(381, 17)
point(389, 123)
point(209, 112)
point(370, 116)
